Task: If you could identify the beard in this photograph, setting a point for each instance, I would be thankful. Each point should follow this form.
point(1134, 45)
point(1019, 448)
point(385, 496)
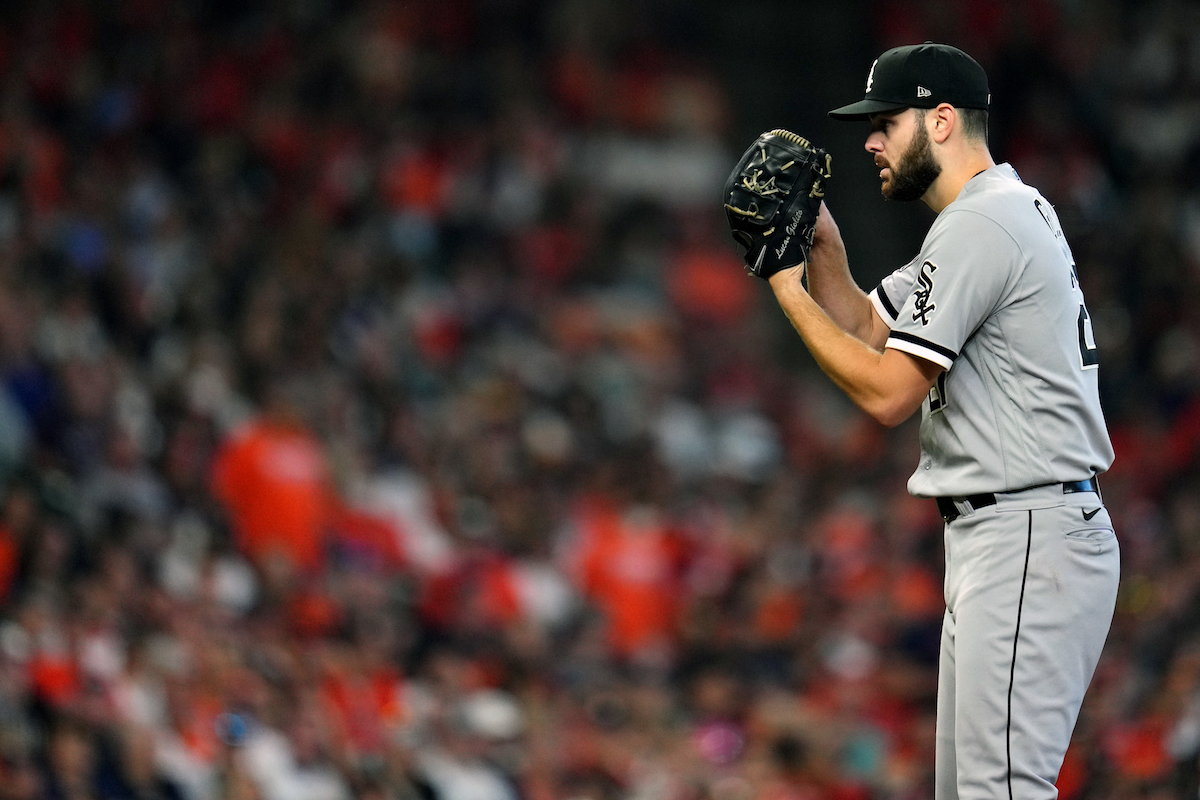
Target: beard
point(915, 172)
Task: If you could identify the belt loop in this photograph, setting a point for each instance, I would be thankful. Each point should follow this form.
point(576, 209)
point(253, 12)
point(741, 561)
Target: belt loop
point(965, 509)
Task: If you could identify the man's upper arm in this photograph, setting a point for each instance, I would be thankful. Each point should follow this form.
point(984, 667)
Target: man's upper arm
point(886, 301)
point(909, 379)
point(880, 328)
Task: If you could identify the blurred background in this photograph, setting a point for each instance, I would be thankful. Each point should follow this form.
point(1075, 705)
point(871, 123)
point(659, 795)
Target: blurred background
point(385, 414)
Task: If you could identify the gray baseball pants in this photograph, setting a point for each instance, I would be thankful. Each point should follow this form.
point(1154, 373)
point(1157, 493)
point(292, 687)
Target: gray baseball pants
point(1031, 583)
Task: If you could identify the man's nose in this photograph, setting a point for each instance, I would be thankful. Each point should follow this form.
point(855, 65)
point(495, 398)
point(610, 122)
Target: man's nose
point(874, 144)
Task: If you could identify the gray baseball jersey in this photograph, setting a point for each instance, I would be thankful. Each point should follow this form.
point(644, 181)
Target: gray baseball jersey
point(993, 297)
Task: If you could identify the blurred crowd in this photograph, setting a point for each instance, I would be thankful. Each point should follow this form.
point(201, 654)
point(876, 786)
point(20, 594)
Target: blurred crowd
point(384, 414)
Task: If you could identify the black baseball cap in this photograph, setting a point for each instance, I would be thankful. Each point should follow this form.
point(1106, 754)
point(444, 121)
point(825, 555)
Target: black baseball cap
point(920, 76)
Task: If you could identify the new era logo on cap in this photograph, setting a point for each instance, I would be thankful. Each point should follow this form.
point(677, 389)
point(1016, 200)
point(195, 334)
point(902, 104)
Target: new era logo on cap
point(920, 76)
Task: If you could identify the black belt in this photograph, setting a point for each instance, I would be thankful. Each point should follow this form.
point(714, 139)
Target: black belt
point(948, 506)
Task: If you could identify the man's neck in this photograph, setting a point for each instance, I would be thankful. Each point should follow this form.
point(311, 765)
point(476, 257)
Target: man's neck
point(950, 183)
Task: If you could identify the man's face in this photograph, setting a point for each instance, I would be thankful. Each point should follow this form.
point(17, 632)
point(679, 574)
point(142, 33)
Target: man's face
point(902, 151)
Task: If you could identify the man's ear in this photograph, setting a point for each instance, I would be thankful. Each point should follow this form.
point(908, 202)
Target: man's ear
point(941, 121)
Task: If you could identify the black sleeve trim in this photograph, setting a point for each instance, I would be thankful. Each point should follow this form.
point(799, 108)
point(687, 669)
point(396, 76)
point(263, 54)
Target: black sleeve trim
point(904, 336)
point(887, 304)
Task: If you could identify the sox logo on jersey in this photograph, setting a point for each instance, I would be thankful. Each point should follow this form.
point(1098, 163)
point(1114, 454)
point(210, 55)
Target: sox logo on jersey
point(922, 308)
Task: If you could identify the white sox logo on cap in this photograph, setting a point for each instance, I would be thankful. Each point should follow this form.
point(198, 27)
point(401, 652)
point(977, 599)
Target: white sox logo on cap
point(871, 75)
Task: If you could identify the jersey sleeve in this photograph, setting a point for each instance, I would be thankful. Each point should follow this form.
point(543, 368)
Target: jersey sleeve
point(889, 296)
point(958, 280)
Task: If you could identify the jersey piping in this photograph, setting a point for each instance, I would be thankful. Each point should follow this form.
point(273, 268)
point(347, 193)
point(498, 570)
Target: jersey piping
point(884, 304)
point(915, 345)
point(1012, 670)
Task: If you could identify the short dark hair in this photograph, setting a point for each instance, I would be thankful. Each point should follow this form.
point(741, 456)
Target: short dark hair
point(974, 123)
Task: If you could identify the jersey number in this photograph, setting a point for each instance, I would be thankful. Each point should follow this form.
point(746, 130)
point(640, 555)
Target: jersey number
point(1088, 357)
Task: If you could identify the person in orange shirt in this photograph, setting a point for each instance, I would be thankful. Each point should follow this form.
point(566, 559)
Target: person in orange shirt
point(273, 480)
point(628, 564)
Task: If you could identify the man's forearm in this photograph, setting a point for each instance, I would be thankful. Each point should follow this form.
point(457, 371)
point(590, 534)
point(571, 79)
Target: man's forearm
point(832, 286)
point(889, 385)
point(844, 358)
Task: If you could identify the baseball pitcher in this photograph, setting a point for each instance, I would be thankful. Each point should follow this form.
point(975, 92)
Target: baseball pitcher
point(986, 331)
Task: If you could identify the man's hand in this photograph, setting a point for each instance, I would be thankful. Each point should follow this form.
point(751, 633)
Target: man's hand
point(826, 234)
point(833, 287)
